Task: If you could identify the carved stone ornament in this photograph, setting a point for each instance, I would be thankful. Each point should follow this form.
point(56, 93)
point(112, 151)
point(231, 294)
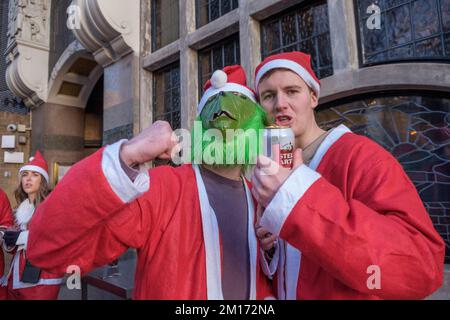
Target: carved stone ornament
point(27, 52)
point(107, 28)
point(29, 21)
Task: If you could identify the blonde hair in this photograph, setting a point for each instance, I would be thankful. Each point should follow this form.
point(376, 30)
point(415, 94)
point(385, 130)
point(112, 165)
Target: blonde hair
point(42, 193)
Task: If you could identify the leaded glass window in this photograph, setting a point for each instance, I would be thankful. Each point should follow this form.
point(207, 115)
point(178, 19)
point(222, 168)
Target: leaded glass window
point(166, 95)
point(409, 30)
point(217, 56)
point(416, 130)
point(209, 10)
point(302, 28)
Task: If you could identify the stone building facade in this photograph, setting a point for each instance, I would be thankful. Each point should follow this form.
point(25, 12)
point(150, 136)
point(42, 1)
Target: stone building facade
point(95, 71)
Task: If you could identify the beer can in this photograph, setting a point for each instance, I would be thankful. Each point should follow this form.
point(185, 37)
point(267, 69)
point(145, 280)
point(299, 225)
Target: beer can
point(278, 144)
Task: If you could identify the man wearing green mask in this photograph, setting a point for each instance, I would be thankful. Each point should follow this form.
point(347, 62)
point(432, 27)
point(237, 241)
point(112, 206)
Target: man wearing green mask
point(192, 225)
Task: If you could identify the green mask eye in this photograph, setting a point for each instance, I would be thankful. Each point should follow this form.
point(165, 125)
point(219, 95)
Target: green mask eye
point(228, 110)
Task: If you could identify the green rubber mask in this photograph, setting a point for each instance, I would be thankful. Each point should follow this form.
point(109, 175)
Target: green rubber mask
point(238, 120)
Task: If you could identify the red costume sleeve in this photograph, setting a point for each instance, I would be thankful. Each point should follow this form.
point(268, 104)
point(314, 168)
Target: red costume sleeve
point(6, 218)
point(378, 219)
point(84, 223)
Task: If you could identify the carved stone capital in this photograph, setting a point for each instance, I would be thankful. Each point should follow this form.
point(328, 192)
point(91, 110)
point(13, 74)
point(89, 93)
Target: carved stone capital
point(27, 50)
point(108, 28)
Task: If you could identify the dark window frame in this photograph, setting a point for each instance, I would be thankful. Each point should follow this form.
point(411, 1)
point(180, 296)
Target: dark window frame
point(412, 42)
point(220, 44)
point(306, 5)
point(234, 4)
point(169, 68)
point(154, 29)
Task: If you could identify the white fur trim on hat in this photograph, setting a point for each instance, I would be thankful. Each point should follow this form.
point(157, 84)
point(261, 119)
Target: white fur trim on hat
point(291, 65)
point(219, 79)
point(37, 169)
point(229, 87)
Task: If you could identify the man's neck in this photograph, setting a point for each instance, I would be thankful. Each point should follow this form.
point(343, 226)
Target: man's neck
point(229, 172)
point(309, 137)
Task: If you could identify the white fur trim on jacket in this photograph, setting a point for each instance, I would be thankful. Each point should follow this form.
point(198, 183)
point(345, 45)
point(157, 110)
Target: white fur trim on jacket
point(287, 197)
point(269, 269)
point(24, 214)
point(17, 284)
point(120, 183)
point(290, 258)
point(212, 242)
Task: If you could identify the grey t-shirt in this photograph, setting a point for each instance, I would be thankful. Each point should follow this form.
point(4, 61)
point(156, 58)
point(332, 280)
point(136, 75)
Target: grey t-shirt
point(228, 199)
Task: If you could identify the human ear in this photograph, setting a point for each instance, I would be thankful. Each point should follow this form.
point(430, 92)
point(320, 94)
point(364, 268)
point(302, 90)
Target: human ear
point(314, 99)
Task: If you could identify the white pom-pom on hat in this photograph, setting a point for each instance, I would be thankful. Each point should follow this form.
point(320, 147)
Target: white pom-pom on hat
point(219, 79)
point(230, 79)
point(31, 159)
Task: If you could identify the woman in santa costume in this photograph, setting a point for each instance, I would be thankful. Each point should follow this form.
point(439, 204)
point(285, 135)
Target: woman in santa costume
point(6, 222)
point(192, 226)
point(25, 281)
point(351, 223)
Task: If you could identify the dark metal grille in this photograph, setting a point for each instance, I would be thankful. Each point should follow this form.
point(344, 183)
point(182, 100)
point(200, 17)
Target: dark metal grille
point(301, 28)
point(217, 56)
point(410, 30)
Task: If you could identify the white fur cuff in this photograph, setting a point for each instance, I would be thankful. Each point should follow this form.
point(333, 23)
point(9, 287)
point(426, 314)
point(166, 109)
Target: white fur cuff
point(121, 184)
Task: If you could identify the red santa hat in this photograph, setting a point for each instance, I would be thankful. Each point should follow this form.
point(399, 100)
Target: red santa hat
point(37, 164)
point(230, 79)
point(296, 61)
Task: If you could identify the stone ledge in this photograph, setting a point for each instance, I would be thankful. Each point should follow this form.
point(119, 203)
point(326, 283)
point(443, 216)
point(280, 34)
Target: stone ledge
point(400, 76)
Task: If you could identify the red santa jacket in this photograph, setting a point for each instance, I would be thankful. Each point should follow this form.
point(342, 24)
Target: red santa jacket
point(6, 222)
point(86, 222)
point(23, 216)
point(357, 214)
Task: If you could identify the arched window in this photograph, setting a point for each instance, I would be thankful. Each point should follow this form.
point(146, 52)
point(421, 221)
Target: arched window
point(416, 130)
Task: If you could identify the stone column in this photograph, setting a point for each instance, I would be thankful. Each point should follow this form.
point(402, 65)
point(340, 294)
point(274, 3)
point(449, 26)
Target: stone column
point(121, 100)
point(188, 65)
point(250, 39)
point(343, 35)
point(58, 131)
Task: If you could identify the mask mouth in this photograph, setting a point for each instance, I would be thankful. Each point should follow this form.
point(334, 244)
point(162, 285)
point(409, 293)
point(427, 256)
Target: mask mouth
point(222, 113)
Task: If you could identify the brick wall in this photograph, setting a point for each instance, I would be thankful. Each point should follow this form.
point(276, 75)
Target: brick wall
point(9, 182)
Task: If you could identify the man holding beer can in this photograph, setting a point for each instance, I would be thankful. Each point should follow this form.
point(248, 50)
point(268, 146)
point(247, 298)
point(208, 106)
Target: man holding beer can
point(351, 223)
